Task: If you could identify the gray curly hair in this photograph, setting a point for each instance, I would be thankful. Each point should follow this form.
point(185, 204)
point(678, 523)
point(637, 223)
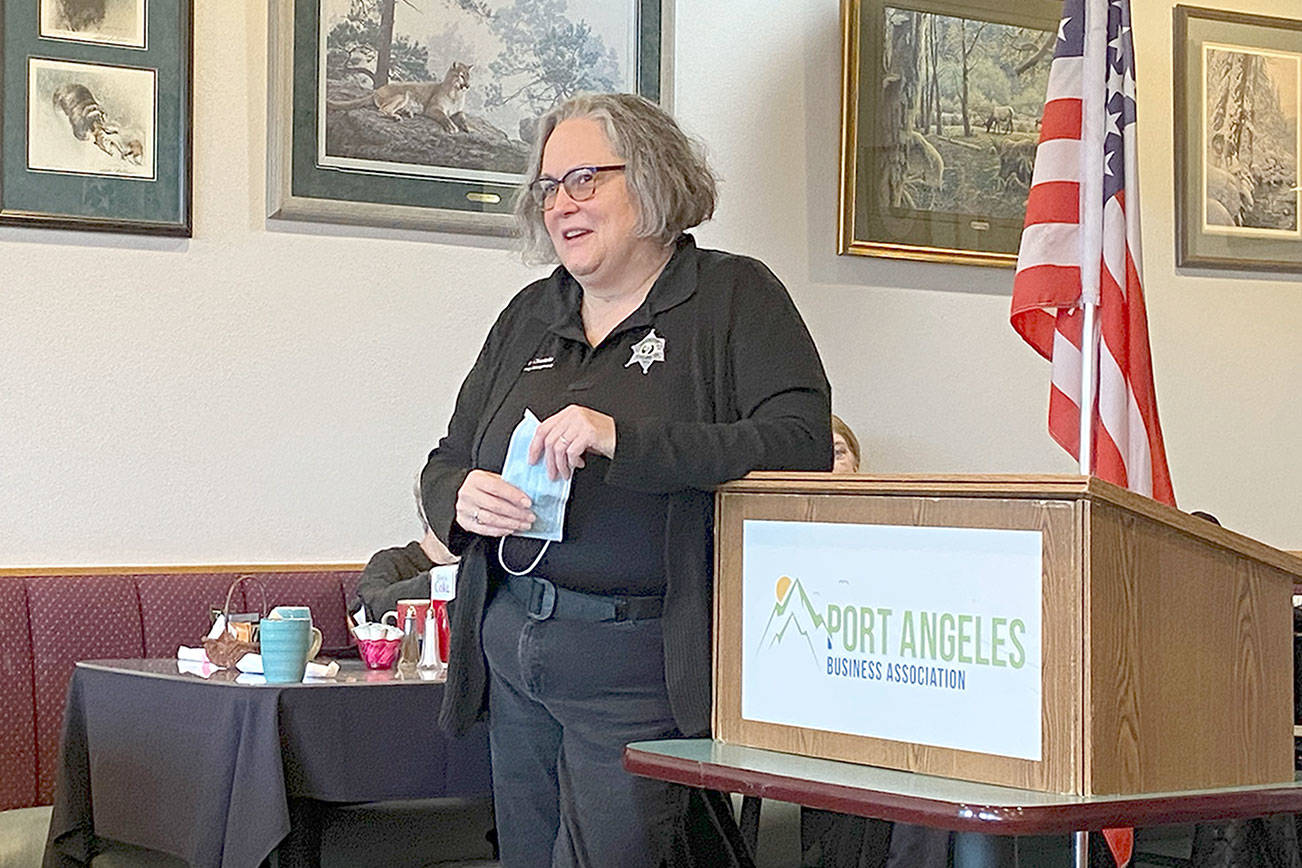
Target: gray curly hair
point(672, 185)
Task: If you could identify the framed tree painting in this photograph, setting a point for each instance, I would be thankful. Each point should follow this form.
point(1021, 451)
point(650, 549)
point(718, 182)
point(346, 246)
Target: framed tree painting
point(1238, 140)
point(941, 106)
point(95, 114)
point(419, 114)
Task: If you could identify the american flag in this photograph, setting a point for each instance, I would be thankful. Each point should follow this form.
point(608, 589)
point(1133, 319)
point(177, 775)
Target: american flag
point(1080, 245)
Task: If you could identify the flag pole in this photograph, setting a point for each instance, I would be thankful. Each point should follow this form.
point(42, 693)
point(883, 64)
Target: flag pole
point(1091, 216)
point(1089, 357)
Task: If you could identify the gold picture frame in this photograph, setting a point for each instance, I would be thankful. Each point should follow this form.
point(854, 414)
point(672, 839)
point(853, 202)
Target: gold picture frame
point(935, 158)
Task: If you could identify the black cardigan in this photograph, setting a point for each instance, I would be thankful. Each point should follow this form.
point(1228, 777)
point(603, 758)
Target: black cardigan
point(744, 362)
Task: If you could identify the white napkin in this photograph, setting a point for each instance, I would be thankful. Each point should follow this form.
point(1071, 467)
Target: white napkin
point(202, 668)
point(196, 659)
point(192, 655)
point(251, 664)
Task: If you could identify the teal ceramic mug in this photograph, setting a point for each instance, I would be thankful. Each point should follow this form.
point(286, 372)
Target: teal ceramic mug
point(305, 613)
point(286, 646)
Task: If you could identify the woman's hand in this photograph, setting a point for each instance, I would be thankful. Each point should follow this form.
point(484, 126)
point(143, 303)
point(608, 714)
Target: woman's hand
point(490, 506)
point(563, 438)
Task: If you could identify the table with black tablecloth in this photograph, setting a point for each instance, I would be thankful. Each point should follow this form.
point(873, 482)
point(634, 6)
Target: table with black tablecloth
point(208, 769)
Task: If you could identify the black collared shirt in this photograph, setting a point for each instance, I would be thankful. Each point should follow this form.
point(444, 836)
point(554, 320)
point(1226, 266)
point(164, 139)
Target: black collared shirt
point(613, 537)
point(746, 392)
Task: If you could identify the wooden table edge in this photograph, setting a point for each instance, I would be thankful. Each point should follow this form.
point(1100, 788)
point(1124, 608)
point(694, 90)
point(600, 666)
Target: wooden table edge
point(1138, 810)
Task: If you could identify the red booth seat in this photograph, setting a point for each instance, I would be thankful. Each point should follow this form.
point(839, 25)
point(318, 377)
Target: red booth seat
point(51, 618)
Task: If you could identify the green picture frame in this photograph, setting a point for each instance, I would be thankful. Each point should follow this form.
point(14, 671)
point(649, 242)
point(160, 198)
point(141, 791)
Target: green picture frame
point(941, 101)
point(406, 164)
point(1238, 140)
point(96, 116)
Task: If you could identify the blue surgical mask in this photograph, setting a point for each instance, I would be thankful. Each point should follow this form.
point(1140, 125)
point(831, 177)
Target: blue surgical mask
point(549, 496)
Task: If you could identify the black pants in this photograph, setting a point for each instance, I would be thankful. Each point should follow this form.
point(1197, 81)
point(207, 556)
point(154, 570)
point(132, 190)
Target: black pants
point(564, 698)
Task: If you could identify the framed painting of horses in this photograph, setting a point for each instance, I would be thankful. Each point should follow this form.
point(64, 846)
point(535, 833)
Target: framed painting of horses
point(96, 115)
point(941, 106)
point(419, 114)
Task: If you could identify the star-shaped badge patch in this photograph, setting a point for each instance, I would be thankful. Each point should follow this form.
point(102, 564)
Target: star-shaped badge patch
point(647, 351)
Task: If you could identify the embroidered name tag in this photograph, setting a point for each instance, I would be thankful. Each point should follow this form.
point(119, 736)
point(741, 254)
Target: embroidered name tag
point(541, 363)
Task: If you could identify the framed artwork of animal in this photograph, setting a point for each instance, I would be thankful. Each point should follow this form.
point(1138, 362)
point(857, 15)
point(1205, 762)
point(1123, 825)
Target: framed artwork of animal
point(418, 114)
point(95, 115)
point(941, 106)
point(110, 22)
point(1238, 141)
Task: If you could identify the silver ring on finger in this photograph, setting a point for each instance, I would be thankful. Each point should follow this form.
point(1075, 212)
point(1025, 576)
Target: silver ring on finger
point(565, 440)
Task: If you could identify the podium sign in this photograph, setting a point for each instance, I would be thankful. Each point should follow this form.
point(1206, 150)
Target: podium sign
point(1053, 633)
point(894, 632)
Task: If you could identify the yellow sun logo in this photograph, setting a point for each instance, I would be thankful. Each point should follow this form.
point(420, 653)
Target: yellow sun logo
point(784, 585)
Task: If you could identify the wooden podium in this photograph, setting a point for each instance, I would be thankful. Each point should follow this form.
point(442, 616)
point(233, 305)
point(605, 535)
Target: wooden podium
point(1166, 641)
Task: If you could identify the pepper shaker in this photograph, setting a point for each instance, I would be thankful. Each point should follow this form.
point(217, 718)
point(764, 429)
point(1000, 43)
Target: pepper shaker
point(409, 650)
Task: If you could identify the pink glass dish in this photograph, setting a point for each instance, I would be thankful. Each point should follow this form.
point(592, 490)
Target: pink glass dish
point(379, 653)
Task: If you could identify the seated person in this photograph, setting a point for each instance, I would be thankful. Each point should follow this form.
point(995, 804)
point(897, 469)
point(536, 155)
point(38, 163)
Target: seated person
point(846, 454)
point(400, 573)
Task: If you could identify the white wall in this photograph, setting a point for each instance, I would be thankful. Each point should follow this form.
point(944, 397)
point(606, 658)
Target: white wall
point(265, 393)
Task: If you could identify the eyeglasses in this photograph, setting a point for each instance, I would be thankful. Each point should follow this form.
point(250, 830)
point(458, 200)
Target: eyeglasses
point(580, 184)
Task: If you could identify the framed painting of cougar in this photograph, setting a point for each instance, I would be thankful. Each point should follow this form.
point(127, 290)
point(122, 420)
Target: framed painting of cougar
point(418, 114)
point(941, 106)
point(95, 115)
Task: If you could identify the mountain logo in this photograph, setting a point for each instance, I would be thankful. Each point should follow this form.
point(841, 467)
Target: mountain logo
point(793, 616)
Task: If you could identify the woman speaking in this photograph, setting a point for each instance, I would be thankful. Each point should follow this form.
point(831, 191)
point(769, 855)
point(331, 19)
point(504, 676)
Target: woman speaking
point(657, 370)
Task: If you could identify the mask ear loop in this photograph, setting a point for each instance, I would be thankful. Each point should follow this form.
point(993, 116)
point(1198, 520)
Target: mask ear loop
point(527, 570)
